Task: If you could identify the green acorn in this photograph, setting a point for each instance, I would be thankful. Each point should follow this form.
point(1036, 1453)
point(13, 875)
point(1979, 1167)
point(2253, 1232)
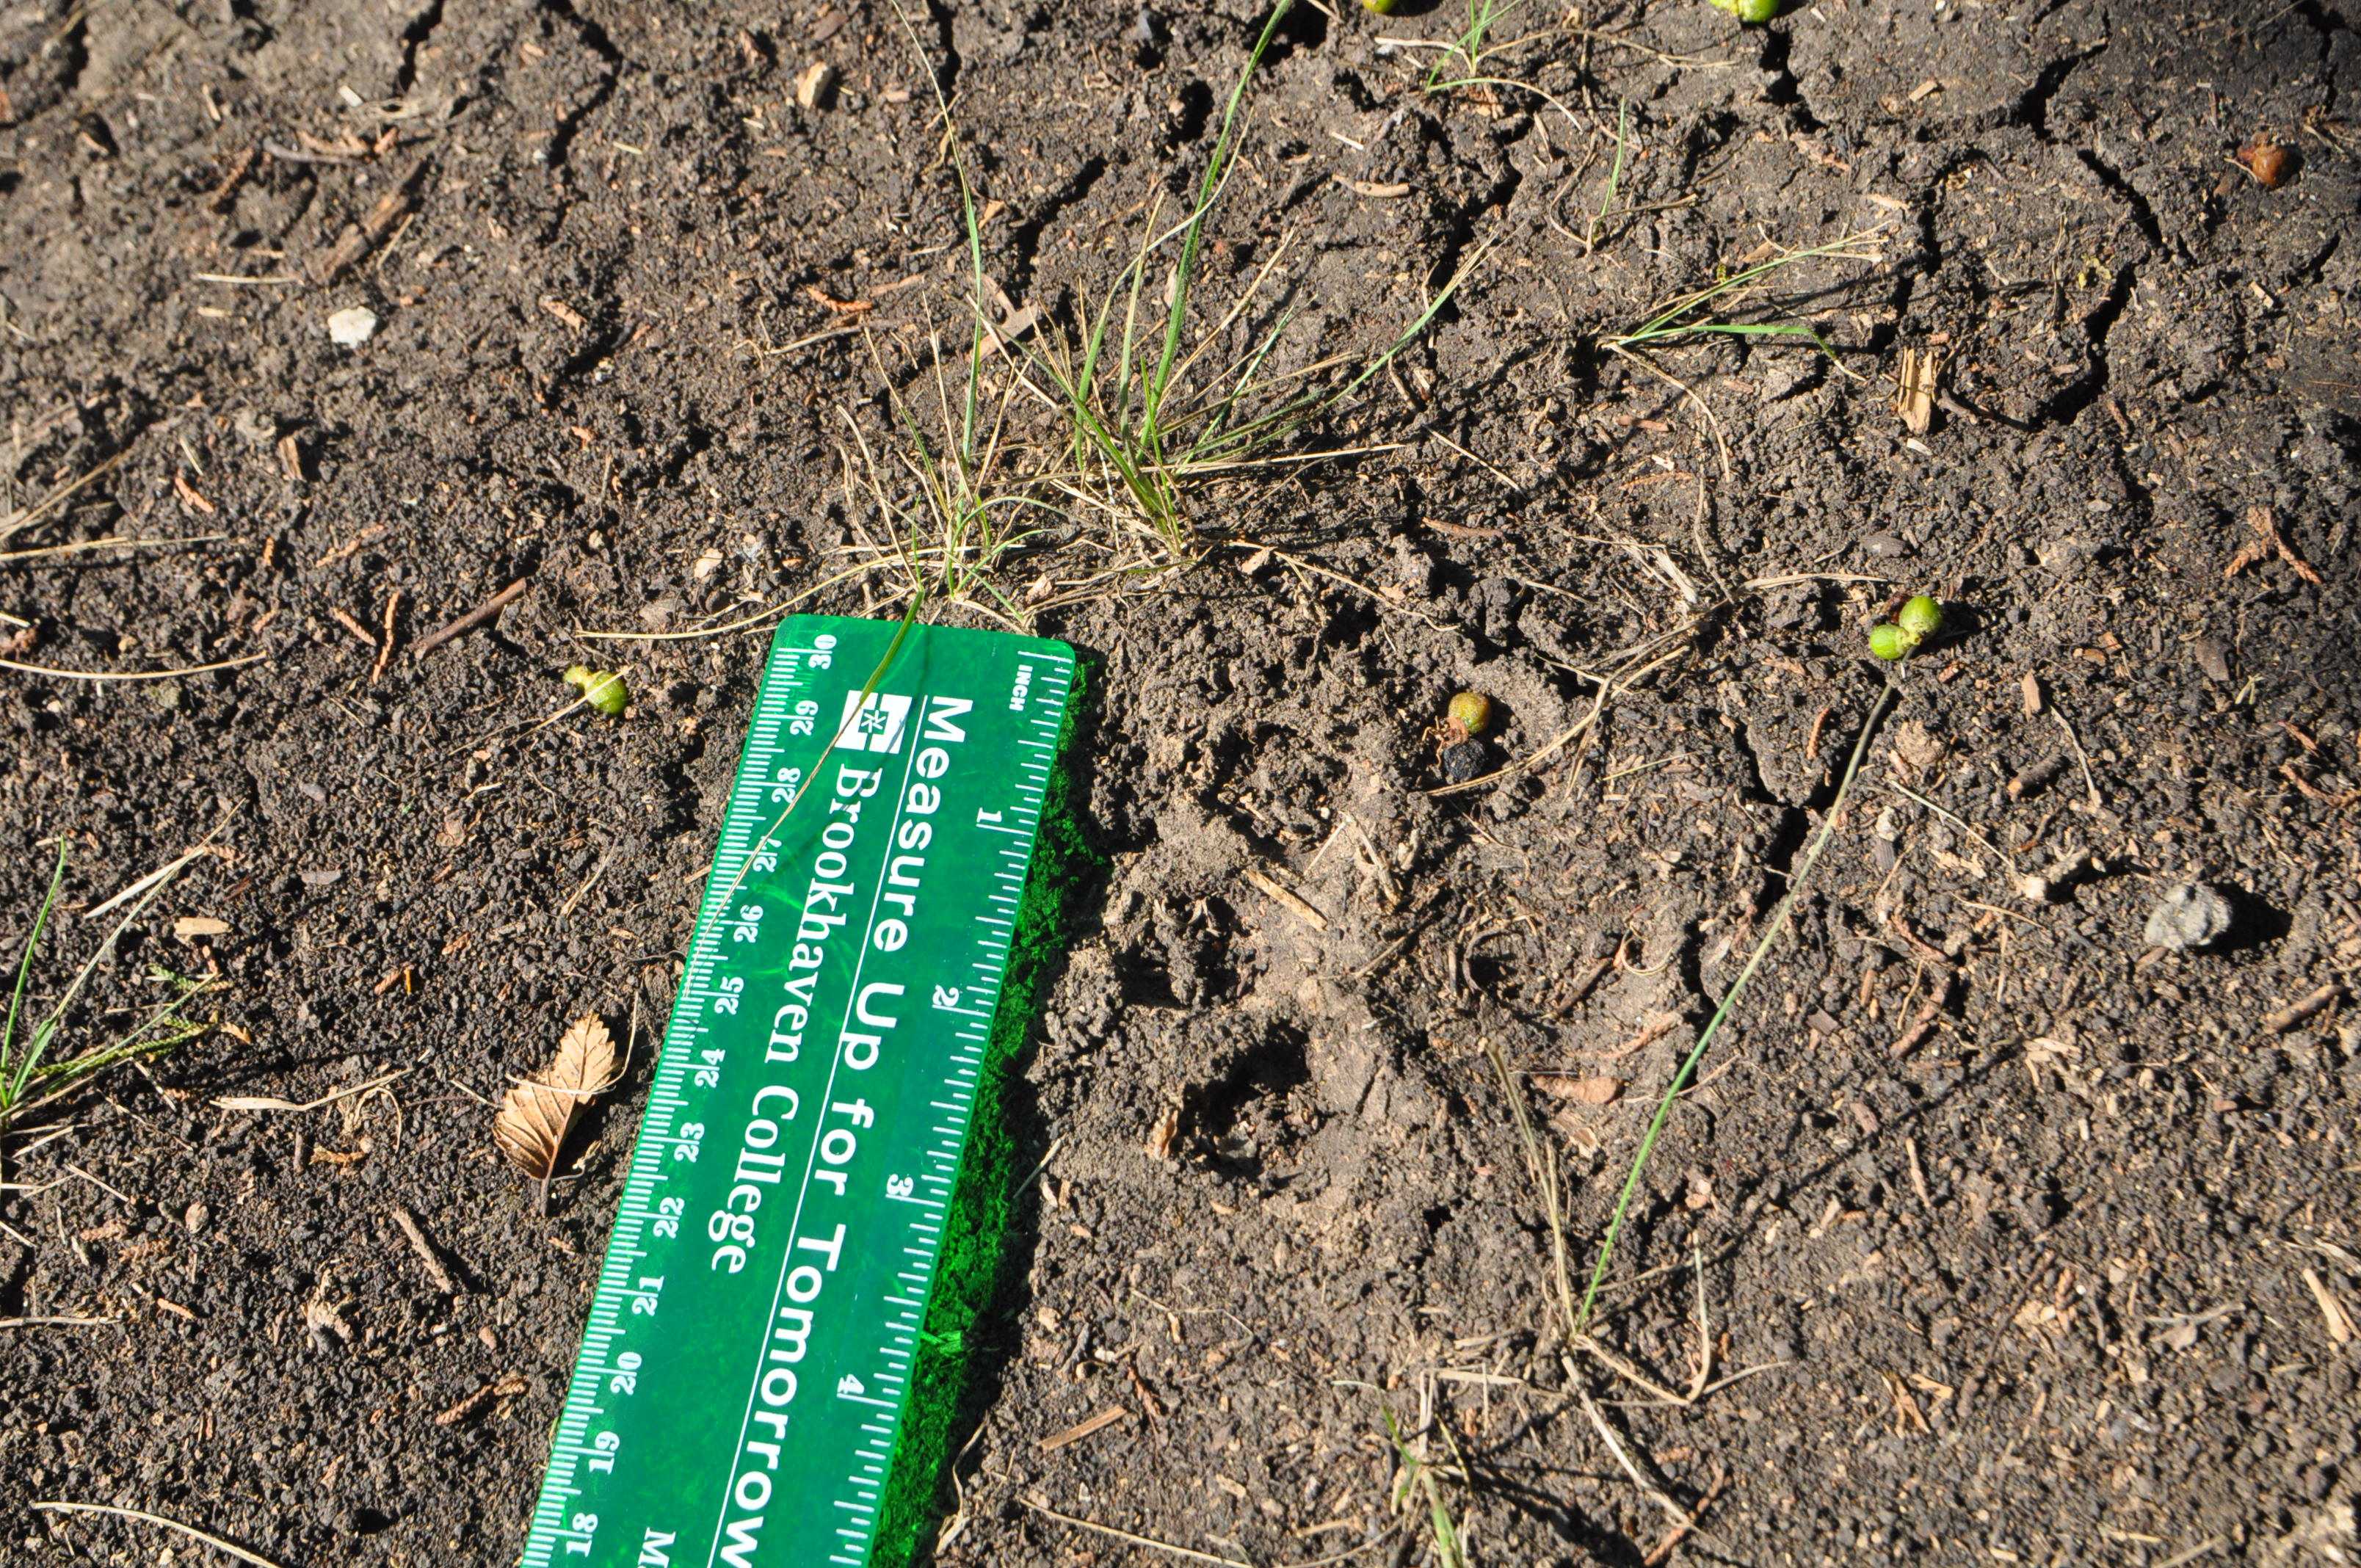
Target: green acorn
point(1890, 641)
point(1922, 617)
point(602, 689)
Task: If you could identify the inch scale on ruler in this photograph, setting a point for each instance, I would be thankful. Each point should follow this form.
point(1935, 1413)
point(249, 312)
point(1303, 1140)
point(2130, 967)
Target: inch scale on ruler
point(743, 1380)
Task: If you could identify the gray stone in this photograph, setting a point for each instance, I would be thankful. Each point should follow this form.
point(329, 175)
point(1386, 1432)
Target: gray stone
point(2189, 915)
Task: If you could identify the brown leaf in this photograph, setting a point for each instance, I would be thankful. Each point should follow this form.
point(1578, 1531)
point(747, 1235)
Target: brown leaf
point(533, 1118)
point(1581, 1090)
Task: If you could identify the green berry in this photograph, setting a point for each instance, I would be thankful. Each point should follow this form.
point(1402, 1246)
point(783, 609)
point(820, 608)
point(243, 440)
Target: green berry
point(1753, 12)
point(1471, 711)
point(1379, 7)
point(1890, 641)
point(602, 689)
point(1921, 616)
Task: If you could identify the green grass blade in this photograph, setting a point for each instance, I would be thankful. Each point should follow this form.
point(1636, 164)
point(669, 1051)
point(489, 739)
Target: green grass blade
point(1771, 934)
point(1614, 174)
point(1184, 270)
point(13, 1074)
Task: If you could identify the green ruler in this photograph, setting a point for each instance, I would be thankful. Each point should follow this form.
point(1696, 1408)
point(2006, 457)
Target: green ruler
point(745, 1384)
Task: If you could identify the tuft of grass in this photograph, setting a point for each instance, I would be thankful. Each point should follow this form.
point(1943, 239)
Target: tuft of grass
point(1473, 42)
point(952, 516)
point(32, 1072)
point(1771, 933)
point(1147, 414)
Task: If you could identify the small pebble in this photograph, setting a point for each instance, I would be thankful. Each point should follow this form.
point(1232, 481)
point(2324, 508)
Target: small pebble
point(1885, 546)
point(2189, 915)
point(195, 1218)
point(1463, 761)
point(2210, 659)
point(2066, 557)
point(351, 328)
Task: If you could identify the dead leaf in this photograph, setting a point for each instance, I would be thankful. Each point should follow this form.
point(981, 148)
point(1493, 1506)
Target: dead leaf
point(537, 1114)
point(1580, 1091)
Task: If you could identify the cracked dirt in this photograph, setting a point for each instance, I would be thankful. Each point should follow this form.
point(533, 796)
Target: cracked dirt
point(2039, 1282)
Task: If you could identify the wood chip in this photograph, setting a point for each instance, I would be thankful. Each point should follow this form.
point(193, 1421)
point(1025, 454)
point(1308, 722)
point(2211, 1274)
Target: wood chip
point(813, 82)
point(1658, 1025)
point(1914, 397)
point(189, 928)
point(189, 496)
point(1384, 192)
point(1578, 1091)
point(1081, 1429)
point(350, 547)
point(564, 312)
point(1161, 1137)
point(357, 239)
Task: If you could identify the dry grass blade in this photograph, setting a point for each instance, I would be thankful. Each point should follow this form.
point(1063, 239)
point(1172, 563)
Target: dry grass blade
point(537, 1114)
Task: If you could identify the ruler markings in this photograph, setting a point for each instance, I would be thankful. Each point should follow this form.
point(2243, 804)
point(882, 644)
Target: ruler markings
point(639, 1472)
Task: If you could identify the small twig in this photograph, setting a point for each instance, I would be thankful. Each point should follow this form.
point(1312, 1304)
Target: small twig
point(385, 645)
point(192, 1531)
point(2090, 781)
point(1665, 1547)
point(2281, 1020)
point(82, 545)
point(25, 518)
point(425, 1251)
point(54, 1323)
point(1287, 900)
point(476, 616)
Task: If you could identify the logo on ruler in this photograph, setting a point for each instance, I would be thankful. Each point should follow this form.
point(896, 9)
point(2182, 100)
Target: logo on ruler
point(875, 725)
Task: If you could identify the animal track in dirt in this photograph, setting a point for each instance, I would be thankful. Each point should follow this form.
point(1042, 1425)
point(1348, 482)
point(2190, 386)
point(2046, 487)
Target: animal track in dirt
point(1261, 1074)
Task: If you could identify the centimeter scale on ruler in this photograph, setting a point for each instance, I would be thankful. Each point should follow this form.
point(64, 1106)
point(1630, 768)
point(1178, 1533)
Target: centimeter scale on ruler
point(742, 1383)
